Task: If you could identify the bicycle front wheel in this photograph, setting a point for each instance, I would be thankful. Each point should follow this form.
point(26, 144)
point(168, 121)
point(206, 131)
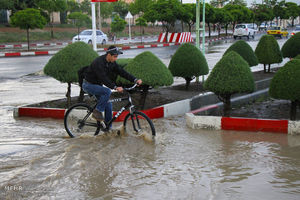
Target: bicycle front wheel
point(78, 121)
point(138, 123)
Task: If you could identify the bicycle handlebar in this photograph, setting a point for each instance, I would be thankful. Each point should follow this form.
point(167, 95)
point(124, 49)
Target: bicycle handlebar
point(131, 88)
point(128, 89)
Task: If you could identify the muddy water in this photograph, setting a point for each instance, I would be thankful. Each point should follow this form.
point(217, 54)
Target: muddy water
point(38, 161)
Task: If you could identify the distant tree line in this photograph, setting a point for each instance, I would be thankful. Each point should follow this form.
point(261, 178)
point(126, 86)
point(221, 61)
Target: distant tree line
point(218, 13)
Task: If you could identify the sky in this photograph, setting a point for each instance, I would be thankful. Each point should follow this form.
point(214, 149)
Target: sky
point(249, 2)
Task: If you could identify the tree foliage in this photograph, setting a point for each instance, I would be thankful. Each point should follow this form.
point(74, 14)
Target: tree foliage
point(29, 18)
point(244, 50)
point(151, 70)
point(79, 19)
point(64, 65)
point(188, 62)
point(230, 75)
point(286, 85)
point(165, 11)
point(291, 47)
point(268, 51)
point(118, 24)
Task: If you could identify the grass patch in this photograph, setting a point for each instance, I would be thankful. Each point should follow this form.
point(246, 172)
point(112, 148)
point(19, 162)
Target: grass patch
point(34, 36)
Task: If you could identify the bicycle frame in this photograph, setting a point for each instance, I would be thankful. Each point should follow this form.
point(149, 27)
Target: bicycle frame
point(129, 106)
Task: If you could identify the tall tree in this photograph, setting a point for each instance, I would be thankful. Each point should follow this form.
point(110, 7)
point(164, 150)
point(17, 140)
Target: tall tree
point(292, 11)
point(29, 18)
point(165, 11)
point(52, 6)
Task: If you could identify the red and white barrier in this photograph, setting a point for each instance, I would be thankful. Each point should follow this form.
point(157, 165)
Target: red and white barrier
point(175, 37)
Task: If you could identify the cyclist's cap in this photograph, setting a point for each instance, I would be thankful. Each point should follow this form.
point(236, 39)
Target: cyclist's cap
point(113, 50)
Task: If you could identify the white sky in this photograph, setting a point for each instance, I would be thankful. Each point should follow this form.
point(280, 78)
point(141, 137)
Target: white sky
point(248, 1)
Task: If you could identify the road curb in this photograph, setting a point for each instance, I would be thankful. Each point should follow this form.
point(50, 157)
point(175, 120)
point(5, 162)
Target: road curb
point(40, 53)
point(242, 124)
point(57, 113)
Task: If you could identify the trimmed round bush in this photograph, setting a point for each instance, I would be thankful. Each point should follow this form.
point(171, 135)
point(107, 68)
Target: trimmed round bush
point(64, 65)
point(268, 51)
point(243, 49)
point(188, 62)
point(291, 48)
point(230, 75)
point(150, 69)
point(286, 82)
point(297, 57)
point(122, 62)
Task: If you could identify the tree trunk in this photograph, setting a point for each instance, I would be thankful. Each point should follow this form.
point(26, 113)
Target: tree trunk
point(269, 70)
point(81, 95)
point(293, 111)
point(78, 29)
point(227, 105)
point(208, 30)
point(27, 30)
point(68, 95)
point(264, 68)
point(143, 96)
point(187, 82)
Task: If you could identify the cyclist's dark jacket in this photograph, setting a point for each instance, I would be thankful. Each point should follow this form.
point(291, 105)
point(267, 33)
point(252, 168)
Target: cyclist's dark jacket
point(102, 72)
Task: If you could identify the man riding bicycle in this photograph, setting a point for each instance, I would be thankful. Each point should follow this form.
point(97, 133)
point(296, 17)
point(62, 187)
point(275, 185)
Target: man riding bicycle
point(103, 71)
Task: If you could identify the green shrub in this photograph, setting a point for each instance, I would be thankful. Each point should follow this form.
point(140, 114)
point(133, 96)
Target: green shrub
point(151, 70)
point(286, 85)
point(122, 62)
point(297, 57)
point(268, 51)
point(230, 75)
point(244, 49)
point(64, 65)
point(291, 48)
point(188, 62)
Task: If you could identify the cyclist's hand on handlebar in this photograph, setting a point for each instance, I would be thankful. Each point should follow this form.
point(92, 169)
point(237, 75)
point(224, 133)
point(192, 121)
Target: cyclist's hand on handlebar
point(139, 82)
point(119, 89)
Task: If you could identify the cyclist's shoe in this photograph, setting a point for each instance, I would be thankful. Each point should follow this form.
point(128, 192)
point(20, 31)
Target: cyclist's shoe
point(97, 115)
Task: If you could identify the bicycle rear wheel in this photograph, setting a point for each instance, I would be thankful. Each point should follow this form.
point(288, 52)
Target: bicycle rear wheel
point(78, 121)
point(138, 123)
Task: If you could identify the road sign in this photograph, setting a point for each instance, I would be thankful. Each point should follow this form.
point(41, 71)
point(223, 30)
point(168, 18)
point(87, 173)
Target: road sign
point(129, 16)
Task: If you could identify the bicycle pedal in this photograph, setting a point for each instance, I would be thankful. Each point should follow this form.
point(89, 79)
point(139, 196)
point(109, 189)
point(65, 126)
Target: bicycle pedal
point(103, 124)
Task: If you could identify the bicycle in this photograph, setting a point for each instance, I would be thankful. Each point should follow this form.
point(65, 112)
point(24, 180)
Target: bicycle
point(78, 118)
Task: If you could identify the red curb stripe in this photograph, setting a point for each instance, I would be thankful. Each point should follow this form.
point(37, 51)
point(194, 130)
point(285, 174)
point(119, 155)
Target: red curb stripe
point(33, 45)
point(151, 113)
point(59, 43)
point(140, 47)
point(42, 112)
point(125, 48)
point(153, 45)
point(166, 45)
point(41, 53)
point(17, 45)
point(12, 54)
point(246, 124)
point(47, 44)
point(2, 46)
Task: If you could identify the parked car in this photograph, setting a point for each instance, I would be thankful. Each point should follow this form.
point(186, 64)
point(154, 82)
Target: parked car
point(297, 30)
point(263, 26)
point(86, 36)
point(243, 30)
point(278, 31)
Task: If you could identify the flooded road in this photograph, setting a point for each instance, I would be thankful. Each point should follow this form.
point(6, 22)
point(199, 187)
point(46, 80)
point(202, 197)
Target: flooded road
point(39, 161)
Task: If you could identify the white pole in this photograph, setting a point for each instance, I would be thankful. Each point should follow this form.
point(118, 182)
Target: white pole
point(94, 26)
point(129, 32)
